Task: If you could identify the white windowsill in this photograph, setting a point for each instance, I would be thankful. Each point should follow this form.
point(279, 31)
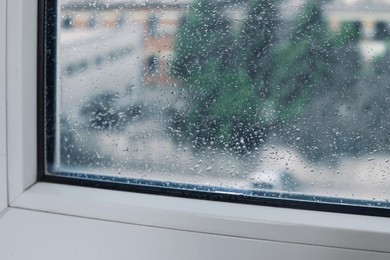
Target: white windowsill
point(228, 219)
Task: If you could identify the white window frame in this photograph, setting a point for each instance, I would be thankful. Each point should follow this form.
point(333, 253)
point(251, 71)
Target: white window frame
point(302, 227)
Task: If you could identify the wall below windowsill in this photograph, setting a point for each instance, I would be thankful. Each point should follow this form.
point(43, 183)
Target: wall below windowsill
point(26, 234)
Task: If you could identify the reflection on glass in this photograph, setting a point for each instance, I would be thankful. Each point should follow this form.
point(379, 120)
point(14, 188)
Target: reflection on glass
point(254, 95)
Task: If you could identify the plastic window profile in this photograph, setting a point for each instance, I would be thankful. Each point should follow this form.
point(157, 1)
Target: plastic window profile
point(299, 201)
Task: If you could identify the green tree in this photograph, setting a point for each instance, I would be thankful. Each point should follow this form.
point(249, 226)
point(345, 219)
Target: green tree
point(346, 59)
point(257, 37)
point(204, 49)
point(236, 104)
point(350, 31)
point(220, 69)
point(333, 82)
point(302, 64)
point(206, 35)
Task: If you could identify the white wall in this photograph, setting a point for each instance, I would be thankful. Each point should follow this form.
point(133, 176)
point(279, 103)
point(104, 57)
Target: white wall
point(3, 165)
point(21, 94)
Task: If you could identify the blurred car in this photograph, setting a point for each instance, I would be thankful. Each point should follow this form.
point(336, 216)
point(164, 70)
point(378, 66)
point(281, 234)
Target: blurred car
point(273, 180)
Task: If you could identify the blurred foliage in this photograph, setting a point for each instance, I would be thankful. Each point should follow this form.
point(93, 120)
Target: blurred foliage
point(257, 37)
point(246, 84)
point(350, 31)
point(205, 35)
point(303, 63)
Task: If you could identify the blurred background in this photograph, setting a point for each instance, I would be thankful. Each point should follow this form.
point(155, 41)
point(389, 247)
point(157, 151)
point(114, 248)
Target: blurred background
point(252, 94)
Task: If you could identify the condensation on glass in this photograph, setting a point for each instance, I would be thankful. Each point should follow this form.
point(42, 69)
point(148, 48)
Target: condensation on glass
point(286, 96)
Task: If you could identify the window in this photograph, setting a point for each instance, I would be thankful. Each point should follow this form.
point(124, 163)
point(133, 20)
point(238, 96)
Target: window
point(67, 22)
point(306, 233)
point(274, 109)
point(381, 30)
point(92, 21)
point(153, 25)
point(152, 64)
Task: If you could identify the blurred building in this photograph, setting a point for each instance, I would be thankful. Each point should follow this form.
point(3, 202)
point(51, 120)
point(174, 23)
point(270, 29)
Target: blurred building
point(159, 21)
point(372, 16)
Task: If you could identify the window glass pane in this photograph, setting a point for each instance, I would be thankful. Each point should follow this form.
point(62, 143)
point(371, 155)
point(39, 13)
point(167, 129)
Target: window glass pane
point(286, 97)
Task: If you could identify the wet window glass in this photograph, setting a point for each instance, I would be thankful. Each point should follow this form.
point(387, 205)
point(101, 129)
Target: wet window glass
point(251, 97)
